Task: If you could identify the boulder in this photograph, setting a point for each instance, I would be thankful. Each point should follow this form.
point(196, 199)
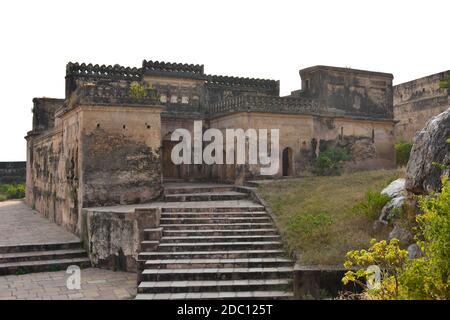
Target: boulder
point(395, 189)
point(404, 236)
point(397, 192)
point(430, 145)
point(388, 209)
point(414, 251)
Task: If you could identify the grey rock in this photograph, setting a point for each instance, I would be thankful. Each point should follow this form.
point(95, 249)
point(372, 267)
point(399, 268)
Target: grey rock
point(387, 211)
point(414, 251)
point(430, 145)
point(404, 236)
point(395, 189)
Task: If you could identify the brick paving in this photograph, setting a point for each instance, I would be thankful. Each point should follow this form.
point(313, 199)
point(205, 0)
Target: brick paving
point(96, 284)
point(20, 225)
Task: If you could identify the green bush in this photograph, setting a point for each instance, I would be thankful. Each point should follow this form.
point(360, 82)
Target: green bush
point(15, 191)
point(330, 161)
point(402, 152)
point(372, 204)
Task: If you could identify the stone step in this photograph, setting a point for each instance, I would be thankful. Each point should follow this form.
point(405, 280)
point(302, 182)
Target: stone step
point(213, 214)
point(216, 226)
point(41, 255)
point(253, 295)
point(205, 196)
point(222, 254)
point(41, 265)
point(213, 286)
point(214, 246)
point(212, 233)
point(217, 263)
point(202, 238)
point(216, 274)
point(182, 207)
point(215, 220)
point(199, 189)
point(41, 247)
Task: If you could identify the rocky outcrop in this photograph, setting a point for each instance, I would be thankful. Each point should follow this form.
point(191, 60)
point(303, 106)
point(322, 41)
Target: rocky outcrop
point(396, 191)
point(430, 147)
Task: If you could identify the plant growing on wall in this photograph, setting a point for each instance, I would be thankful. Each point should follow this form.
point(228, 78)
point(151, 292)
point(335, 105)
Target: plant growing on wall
point(138, 91)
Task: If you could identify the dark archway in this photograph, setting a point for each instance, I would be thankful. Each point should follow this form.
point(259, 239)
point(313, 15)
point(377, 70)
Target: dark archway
point(287, 162)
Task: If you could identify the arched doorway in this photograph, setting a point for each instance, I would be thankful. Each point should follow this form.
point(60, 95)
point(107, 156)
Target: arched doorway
point(287, 162)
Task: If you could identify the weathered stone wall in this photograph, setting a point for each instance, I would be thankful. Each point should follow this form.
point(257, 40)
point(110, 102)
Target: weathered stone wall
point(350, 91)
point(95, 156)
point(369, 142)
point(44, 113)
point(120, 154)
point(415, 102)
point(12, 172)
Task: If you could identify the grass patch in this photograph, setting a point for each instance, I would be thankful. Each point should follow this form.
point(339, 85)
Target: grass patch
point(322, 218)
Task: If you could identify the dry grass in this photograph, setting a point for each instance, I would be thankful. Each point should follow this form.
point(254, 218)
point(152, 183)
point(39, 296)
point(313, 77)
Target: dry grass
point(316, 217)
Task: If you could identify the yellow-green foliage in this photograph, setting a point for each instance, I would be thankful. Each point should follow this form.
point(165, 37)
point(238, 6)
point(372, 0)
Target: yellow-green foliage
point(388, 256)
point(427, 277)
point(138, 91)
point(12, 191)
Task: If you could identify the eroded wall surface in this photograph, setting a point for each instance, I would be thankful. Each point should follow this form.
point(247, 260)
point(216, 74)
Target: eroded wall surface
point(415, 102)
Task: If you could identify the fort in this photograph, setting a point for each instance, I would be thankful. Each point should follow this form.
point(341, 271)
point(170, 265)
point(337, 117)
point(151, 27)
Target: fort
point(102, 145)
point(99, 163)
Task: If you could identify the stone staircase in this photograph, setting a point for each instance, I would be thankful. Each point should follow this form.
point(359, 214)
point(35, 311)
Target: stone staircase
point(216, 244)
point(26, 258)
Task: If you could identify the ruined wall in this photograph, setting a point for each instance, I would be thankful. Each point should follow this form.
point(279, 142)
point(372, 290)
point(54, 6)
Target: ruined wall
point(415, 102)
point(369, 142)
point(44, 113)
point(51, 179)
point(120, 154)
point(12, 172)
point(96, 156)
point(349, 91)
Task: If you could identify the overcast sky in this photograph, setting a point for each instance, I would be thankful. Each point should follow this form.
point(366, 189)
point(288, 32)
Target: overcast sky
point(261, 39)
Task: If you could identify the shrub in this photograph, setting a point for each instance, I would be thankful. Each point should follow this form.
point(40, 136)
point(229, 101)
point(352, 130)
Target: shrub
point(388, 257)
point(427, 277)
point(15, 191)
point(402, 152)
point(330, 161)
point(372, 204)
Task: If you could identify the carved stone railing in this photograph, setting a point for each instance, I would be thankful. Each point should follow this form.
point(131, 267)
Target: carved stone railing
point(106, 72)
point(252, 103)
point(109, 94)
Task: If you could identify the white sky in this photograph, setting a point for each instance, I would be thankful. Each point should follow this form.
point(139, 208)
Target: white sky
point(262, 39)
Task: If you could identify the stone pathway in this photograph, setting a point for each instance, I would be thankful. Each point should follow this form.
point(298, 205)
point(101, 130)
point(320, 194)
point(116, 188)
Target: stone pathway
point(96, 284)
point(21, 225)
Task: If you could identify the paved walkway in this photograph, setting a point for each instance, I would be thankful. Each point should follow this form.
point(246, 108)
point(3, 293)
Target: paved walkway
point(19, 224)
point(96, 284)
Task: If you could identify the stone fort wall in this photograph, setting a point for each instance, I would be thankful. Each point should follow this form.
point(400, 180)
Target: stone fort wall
point(415, 102)
point(12, 172)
